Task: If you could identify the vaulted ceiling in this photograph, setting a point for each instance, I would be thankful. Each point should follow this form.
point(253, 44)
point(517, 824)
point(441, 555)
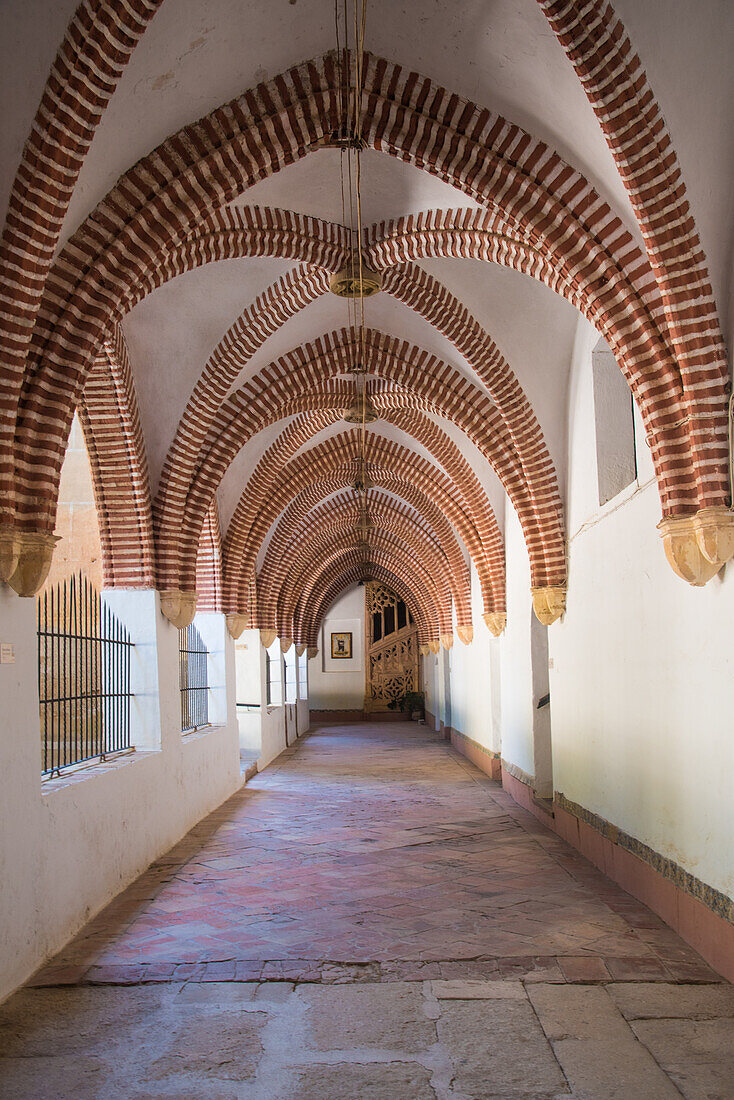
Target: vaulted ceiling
point(182, 297)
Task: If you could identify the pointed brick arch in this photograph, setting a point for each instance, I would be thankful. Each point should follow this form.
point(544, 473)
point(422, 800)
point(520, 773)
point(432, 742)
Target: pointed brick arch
point(209, 563)
point(96, 47)
point(417, 380)
point(430, 591)
point(481, 534)
point(310, 513)
point(339, 575)
point(111, 422)
point(472, 148)
point(334, 529)
point(330, 466)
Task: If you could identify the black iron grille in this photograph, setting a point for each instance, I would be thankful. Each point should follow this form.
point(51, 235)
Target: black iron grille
point(83, 676)
point(193, 679)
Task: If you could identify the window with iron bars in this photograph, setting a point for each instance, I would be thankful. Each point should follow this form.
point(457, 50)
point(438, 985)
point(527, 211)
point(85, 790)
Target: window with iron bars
point(193, 676)
point(83, 676)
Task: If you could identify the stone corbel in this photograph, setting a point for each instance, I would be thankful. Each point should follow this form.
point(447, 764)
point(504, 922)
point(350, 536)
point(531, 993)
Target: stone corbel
point(496, 622)
point(424, 650)
point(267, 637)
point(236, 624)
point(698, 546)
point(301, 648)
point(9, 552)
point(446, 640)
point(285, 644)
point(434, 645)
point(465, 633)
point(313, 651)
point(178, 607)
point(26, 559)
point(549, 603)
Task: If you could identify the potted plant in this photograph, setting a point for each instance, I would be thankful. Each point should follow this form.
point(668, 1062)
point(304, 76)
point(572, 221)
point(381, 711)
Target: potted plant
point(414, 704)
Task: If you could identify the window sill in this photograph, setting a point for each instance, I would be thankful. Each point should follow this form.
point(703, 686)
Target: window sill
point(81, 773)
point(202, 731)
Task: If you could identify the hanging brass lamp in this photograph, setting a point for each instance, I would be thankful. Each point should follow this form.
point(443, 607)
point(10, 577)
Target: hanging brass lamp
point(355, 279)
point(361, 410)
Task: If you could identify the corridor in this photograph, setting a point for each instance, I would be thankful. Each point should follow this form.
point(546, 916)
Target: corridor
point(371, 918)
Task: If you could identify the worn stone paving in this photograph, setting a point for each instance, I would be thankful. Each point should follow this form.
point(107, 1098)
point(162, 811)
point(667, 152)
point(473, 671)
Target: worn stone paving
point(372, 918)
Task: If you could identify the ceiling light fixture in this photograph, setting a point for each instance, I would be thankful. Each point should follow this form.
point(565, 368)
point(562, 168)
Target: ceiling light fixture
point(361, 410)
point(355, 279)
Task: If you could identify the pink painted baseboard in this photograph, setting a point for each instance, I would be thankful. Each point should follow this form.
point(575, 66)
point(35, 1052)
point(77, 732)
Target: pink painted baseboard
point(711, 935)
point(708, 933)
point(487, 761)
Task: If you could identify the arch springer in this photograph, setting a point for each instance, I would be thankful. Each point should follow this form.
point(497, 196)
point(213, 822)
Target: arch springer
point(178, 607)
point(236, 623)
point(698, 546)
point(495, 621)
point(25, 558)
point(549, 603)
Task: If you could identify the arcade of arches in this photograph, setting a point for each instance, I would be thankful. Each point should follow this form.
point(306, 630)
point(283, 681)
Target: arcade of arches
point(363, 356)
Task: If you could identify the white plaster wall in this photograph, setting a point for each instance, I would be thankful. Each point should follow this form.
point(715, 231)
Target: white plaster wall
point(272, 721)
point(472, 705)
point(303, 708)
point(641, 683)
point(516, 670)
point(339, 685)
point(68, 846)
point(429, 680)
point(248, 689)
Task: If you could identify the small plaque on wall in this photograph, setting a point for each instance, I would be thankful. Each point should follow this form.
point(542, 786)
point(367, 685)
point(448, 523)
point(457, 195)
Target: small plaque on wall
point(341, 645)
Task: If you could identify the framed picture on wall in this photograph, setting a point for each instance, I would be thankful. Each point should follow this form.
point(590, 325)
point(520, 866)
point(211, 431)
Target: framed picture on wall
point(341, 645)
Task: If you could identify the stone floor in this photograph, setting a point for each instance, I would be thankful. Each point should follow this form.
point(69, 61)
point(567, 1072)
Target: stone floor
point(371, 918)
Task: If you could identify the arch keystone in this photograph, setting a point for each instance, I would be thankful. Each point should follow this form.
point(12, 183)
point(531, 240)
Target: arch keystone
point(549, 603)
point(496, 622)
point(35, 551)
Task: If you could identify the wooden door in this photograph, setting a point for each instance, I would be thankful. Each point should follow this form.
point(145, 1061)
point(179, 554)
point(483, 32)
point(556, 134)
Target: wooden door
point(391, 644)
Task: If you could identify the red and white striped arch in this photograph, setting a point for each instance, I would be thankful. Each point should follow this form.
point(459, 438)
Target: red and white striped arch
point(334, 526)
point(328, 467)
point(166, 194)
point(309, 513)
point(168, 214)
